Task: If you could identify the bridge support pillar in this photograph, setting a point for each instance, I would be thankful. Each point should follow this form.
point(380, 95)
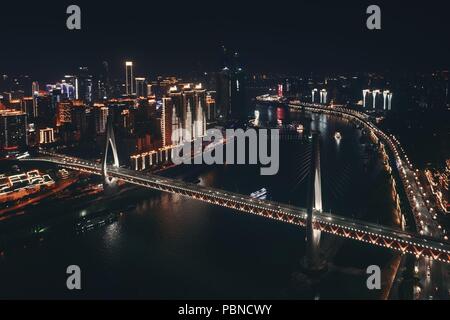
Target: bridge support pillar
point(143, 161)
point(110, 141)
point(313, 262)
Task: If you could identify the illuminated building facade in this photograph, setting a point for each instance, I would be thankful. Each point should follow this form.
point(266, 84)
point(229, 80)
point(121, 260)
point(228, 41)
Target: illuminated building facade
point(166, 121)
point(79, 118)
point(377, 99)
point(46, 136)
point(28, 107)
point(231, 88)
point(13, 129)
point(210, 111)
point(101, 116)
point(323, 96)
point(84, 85)
point(189, 102)
point(129, 78)
point(140, 87)
point(63, 113)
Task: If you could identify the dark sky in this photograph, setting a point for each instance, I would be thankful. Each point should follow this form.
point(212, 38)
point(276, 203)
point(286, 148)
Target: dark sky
point(178, 36)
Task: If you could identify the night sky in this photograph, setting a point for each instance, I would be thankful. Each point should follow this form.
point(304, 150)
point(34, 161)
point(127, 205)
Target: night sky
point(175, 37)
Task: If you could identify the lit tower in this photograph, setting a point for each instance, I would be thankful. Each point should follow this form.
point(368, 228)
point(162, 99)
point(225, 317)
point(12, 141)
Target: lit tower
point(166, 121)
point(140, 87)
point(188, 123)
point(35, 88)
point(35, 95)
point(313, 93)
point(389, 100)
point(323, 96)
point(129, 77)
point(280, 90)
point(374, 94)
point(385, 94)
point(365, 92)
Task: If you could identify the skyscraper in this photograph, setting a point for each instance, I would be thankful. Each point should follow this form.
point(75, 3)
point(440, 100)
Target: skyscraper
point(211, 105)
point(28, 107)
point(103, 84)
point(79, 118)
point(140, 87)
point(166, 121)
point(199, 123)
point(189, 102)
point(34, 88)
point(83, 85)
point(63, 113)
point(44, 111)
point(129, 79)
point(231, 83)
point(13, 129)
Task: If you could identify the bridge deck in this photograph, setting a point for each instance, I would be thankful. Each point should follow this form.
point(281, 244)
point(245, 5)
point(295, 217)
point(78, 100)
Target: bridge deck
point(374, 234)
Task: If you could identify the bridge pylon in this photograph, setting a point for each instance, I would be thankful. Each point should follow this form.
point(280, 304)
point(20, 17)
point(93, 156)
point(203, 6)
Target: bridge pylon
point(110, 141)
point(313, 262)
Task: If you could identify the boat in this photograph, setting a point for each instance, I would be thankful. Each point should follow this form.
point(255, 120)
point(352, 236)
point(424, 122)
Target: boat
point(260, 194)
point(96, 220)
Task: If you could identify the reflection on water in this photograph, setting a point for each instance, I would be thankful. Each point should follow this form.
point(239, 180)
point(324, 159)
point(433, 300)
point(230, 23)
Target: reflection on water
point(167, 246)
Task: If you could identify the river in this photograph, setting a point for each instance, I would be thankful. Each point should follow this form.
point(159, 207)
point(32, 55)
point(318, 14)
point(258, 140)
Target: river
point(165, 246)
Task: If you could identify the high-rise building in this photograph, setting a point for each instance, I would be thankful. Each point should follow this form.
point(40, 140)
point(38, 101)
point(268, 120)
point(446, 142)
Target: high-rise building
point(210, 105)
point(34, 88)
point(323, 96)
point(28, 107)
point(280, 90)
point(231, 88)
point(129, 79)
point(67, 90)
point(150, 89)
point(176, 126)
point(199, 123)
point(73, 81)
point(84, 85)
point(101, 117)
point(35, 94)
point(140, 87)
point(103, 88)
point(366, 96)
point(166, 121)
point(13, 129)
point(44, 110)
point(79, 118)
point(63, 113)
point(189, 102)
point(377, 99)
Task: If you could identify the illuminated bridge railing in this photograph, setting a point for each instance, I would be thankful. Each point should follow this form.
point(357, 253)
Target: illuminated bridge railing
point(370, 233)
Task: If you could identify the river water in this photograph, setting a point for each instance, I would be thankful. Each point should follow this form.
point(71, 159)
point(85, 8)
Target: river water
point(166, 246)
